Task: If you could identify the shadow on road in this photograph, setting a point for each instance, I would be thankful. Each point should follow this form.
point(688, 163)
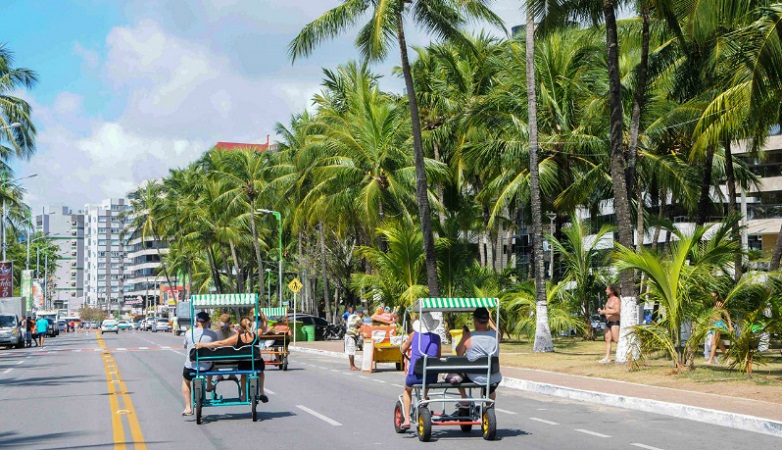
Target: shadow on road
point(262, 416)
point(454, 433)
point(13, 439)
point(49, 381)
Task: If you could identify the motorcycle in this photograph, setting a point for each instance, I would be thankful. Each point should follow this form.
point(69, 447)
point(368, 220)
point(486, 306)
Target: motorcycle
point(334, 333)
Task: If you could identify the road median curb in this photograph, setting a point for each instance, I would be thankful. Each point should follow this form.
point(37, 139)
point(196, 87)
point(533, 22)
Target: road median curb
point(698, 414)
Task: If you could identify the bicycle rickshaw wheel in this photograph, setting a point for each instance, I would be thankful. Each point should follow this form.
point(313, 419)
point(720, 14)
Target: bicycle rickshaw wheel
point(198, 393)
point(489, 424)
point(284, 364)
point(464, 412)
point(254, 398)
point(398, 417)
point(424, 424)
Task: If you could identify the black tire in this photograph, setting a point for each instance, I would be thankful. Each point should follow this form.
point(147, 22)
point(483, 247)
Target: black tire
point(424, 424)
point(399, 366)
point(20, 344)
point(284, 364)
point(399, 417)
point(464, 412)
point(198, 394)
point(489, 424)
point(253, 397)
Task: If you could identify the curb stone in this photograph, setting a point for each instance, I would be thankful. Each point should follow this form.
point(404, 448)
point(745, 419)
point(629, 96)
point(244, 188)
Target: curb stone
point(695, 413)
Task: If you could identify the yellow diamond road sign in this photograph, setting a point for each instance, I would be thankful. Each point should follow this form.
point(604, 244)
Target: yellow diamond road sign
point(295, 285)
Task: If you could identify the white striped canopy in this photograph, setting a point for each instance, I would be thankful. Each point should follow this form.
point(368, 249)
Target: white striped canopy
point(274, 312)
point(455, 304)
point(218, 300)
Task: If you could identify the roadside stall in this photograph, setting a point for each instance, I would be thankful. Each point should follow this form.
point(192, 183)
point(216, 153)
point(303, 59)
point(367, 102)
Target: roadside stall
point(274, 343)
point(381, 345)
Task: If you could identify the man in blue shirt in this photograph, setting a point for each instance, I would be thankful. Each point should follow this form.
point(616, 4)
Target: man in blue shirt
point(40, 327)
point(346, 316)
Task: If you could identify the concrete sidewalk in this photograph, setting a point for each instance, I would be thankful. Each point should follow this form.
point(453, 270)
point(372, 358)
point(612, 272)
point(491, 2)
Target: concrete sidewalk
point(745, 414)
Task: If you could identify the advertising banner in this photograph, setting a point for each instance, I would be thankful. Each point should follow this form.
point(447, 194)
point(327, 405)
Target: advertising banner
point(6, 279)
point(27, 288)
point(37, 295)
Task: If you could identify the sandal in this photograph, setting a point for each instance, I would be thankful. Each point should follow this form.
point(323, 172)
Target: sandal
point(263, 398)
point(185, 413)
point(404, 427)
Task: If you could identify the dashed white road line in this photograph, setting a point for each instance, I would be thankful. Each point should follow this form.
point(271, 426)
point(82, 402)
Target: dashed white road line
point(378, 381)
point(20, 362)
point(505, 411)
point(397, 385)
point(268, 391)
point(547, 422)
point(592, 433)
point(143, 348)
point(172, 350)
point(8, 370)
point(120, 348)
point(335, 370)
point(363, 377)
point(320, 416)
point(647, 447)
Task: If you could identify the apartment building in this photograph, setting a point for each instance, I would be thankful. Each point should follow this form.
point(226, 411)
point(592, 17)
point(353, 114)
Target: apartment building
point(64, 228)
point(142, 278)
point(105, 253)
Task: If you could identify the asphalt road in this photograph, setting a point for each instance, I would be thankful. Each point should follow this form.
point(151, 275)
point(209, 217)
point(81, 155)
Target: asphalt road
point(72, 394)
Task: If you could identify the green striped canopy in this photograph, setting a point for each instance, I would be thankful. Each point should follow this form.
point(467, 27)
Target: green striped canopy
point(274, 312)
point(218, 300)
point(453, 304)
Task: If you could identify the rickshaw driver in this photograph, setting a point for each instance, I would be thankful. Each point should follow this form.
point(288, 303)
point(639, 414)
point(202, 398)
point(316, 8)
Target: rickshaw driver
point(479, 344)
point(201, 333)
point(424, 340)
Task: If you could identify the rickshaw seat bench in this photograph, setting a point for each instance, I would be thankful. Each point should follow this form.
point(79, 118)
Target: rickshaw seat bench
point(226, 355)
point(457, 364)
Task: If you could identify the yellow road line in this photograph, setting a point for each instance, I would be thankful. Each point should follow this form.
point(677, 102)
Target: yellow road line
point(117, 390)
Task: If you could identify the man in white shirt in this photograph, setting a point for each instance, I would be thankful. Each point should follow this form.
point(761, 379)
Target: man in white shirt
point(355, 322)
point(201, 333)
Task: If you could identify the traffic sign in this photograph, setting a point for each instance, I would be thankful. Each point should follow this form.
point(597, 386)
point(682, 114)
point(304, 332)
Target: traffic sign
point(295, 285)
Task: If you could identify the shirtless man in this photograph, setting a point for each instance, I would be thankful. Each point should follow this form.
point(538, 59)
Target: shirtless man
point(611, 311)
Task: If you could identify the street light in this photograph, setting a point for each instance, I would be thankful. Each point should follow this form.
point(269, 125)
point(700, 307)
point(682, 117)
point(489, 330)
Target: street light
point(279, 232)
point(2, 185)
point(268, 287)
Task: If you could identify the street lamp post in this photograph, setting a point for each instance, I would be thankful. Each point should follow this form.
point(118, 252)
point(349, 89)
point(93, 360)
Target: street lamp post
point(268, 288)
point(278, 216)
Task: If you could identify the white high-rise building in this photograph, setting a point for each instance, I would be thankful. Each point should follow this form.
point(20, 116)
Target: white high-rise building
point(105, 253)
point(65, 229)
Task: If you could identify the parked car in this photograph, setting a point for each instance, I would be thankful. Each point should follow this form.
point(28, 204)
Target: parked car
point(136, 324)
point(51, 329)
point(161, 324)
point(109, 325)
point(62, 326)
point(321, 325)
point(124, 325)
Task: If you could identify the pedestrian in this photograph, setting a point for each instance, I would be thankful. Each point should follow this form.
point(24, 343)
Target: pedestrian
point(355, 322)
point(721, 323)
point(422, 341)
point(200, 334)
point(611, 312)
point(347, 315)
point(29, 326)
point(40, 327)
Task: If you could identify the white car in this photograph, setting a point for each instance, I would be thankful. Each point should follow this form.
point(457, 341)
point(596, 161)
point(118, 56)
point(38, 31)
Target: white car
point(160, 325)
point(109, 325)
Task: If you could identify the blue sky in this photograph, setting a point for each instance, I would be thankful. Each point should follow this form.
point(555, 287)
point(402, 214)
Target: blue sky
point(130, 89)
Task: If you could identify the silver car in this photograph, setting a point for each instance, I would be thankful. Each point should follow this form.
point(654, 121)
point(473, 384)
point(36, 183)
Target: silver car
point(160, 325)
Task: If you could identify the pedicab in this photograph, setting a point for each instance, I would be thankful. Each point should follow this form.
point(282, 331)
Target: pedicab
point(224, 359)
point(275, 342)
point(422, 407)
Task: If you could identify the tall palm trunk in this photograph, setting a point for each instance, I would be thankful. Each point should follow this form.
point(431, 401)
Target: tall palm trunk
point(704, 204)
point(777, 255)
point(543, 341)
point(162, 262)
point(326, 300)
point(635, 126)
point(257, 249)
point(215, 272)
point(619, 179)
point(421, 186)
point(239, 277)
point(730, 176)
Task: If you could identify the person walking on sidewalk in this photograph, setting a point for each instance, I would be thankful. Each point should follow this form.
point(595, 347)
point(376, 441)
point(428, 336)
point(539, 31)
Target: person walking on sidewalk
point(722, 323)
point(611, 312)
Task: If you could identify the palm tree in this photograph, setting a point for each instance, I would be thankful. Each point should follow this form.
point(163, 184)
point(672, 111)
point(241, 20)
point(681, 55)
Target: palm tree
point(14, 109)
point(443, 18)
point(543, 342)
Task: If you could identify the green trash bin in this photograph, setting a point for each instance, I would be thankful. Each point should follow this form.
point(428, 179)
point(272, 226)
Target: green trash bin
point(299, 329)
point(309, 332)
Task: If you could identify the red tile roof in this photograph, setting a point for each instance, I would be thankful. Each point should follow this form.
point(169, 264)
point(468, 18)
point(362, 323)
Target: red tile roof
point(245, 146)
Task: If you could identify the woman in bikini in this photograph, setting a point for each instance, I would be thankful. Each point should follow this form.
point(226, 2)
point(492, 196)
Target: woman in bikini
point(245, 336)
point(722, 323)
point(611, 311)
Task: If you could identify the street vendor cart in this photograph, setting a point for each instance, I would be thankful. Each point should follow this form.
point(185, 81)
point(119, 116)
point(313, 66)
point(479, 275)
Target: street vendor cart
point(274, 343)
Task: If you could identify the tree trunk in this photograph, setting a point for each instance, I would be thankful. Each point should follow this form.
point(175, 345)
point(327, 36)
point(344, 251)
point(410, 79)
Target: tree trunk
point(732, 208)
point(421, 187)
point(618, 167)
point(239, 277)
point(160, 256)
point(635, 119)
point(257, 249)
point(543, 341)
point(215, 272)
point(324, 276)
point(440, 210)
point(704, 204)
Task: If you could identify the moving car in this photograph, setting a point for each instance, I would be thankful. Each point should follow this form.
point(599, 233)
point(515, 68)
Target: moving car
point(124, 325)
point(51, 329)
point(109, 325)
point(161, 324)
